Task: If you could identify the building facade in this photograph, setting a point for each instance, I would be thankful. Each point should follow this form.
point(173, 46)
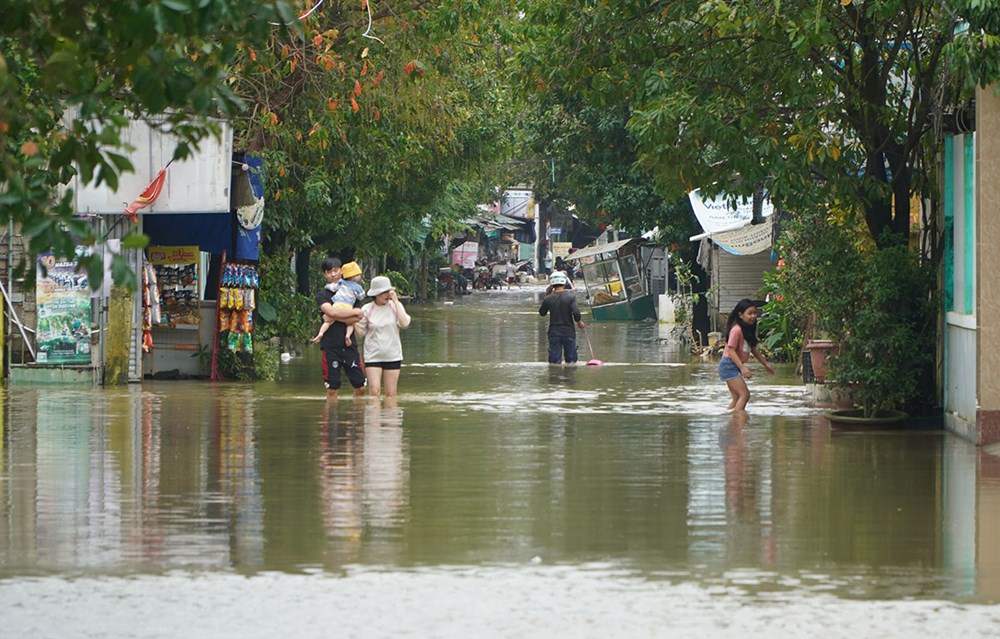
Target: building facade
point(970, 287)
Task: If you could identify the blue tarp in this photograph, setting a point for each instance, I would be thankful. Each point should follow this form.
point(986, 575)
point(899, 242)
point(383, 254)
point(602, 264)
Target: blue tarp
point(211, 232)
point(248, 240)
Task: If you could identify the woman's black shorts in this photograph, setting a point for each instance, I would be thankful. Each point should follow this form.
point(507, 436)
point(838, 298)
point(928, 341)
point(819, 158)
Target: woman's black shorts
point(386, 366)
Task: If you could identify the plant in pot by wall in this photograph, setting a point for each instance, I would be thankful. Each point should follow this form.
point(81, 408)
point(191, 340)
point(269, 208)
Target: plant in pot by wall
point(874, 304)
point(820, 272)
point(888, 340)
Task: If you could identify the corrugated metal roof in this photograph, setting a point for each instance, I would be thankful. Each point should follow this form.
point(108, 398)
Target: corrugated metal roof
point(496, 222)
point(503, 219)
point(597, 249)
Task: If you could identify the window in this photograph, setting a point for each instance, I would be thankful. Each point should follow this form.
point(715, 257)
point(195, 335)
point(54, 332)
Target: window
point(630, 277)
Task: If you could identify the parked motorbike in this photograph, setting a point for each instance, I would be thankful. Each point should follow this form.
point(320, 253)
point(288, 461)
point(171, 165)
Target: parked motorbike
point(496, 281)
point(498, 275)
point(453, 282)
point(446, 280)
point(484, 281)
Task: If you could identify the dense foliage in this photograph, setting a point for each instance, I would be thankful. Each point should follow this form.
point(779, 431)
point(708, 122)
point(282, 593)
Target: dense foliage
point(586, 158)
point(823, 105)
point(877, 305)
point(377, 123)
point(375, 127)
point(383, 124)
point(812, 101)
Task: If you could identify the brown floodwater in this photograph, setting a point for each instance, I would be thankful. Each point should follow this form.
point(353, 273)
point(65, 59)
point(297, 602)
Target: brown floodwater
point(499, 496)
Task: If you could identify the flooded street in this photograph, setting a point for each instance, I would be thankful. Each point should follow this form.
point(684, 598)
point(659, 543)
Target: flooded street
point(500, 497)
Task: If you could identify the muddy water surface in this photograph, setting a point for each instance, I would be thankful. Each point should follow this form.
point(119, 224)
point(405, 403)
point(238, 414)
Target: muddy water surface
point(499, 496)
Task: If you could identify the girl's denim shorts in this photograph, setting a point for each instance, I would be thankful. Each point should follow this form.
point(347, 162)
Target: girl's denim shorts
point(728, 369)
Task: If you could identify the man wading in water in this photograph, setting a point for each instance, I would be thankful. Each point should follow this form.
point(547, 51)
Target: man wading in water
point(564, 314)
point(337, 355)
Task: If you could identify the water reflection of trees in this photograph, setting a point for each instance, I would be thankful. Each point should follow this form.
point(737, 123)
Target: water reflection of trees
point(859, 499)
point(362, 476)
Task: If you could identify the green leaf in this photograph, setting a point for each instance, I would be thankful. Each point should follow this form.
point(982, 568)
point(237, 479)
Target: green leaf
point(267, 312)
point(122, 163)
point(135, 241)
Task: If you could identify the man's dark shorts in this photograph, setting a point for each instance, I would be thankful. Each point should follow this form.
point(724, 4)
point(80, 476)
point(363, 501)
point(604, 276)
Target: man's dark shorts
point(562, 347)
point(346, 359)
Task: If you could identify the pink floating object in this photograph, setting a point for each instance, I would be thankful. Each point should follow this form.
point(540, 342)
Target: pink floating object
point(594, 361)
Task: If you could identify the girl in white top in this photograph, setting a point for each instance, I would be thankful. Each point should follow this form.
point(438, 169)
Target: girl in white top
point(379, 324)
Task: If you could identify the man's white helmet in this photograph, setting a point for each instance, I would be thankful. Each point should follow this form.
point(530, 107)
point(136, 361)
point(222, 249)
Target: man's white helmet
point(559, 279)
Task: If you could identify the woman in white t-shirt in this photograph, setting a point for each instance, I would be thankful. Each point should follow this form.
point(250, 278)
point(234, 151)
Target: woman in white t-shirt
point(380, 323)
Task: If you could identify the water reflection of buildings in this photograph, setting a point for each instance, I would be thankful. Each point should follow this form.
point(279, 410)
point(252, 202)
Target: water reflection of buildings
point(971, 498)
point(120, 480)
point(988, 530)
point(66, 499)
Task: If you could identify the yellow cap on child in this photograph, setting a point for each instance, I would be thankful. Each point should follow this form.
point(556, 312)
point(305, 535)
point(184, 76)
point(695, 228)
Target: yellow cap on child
point(350, 270)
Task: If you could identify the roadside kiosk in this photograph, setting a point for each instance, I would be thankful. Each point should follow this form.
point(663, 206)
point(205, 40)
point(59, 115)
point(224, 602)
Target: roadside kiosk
point(614, 280)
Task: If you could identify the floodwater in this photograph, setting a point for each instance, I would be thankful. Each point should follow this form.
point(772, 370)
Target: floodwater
point(499, 497)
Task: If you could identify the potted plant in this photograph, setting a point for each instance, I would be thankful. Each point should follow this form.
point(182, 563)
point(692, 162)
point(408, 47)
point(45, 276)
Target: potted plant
point(875, 305)
point(820, 351)
point(888, 339)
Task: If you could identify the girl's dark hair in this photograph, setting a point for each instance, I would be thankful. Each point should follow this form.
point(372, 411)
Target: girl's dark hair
point(749, 331)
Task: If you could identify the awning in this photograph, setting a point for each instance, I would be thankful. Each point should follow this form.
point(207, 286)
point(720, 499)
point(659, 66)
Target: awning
point(728, 224)
point(725, 229)
point(494, 223)
point(211, 232)
point(743, 238)
point(597, 249)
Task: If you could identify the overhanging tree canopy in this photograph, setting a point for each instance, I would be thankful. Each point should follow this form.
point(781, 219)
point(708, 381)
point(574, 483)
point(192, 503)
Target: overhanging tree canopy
point(364, 120)
point(366, 125)
point(804, 97)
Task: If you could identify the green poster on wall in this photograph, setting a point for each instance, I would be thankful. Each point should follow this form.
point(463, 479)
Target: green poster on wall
point(63, 297)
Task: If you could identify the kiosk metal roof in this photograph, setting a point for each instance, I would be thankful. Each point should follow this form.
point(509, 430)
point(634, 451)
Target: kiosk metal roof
point(597, 249)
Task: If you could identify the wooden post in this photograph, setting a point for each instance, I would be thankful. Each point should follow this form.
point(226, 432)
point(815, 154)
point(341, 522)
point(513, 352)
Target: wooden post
point(3, 347)
point(214, 374)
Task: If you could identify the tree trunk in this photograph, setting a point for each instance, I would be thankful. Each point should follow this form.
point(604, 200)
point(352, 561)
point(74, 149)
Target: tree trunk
point(887, 208)
point(700, 322)
point(901, 201)
point(302, 270)
point(422, 280)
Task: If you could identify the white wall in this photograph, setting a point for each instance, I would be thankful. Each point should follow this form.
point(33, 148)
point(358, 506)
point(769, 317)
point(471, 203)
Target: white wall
point(960, 368)
point(198, 184)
